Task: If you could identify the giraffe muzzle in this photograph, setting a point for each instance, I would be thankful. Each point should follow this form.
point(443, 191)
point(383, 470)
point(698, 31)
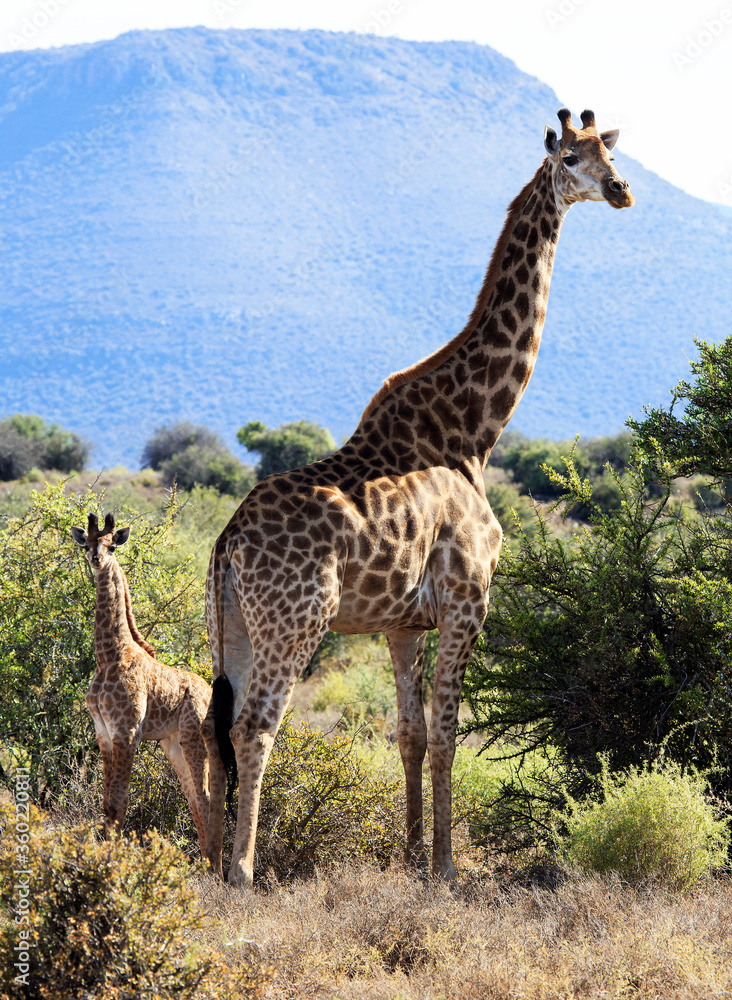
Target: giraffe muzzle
point(617, 193)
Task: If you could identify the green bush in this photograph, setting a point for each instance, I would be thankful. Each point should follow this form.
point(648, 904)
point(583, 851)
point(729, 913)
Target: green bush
point(321, 804)
point(365, 688)
point(652, 824)
point(705, 493)
point(216, 468)
point(505, 499)
point(700, 439)
point(528, 461)
point(525, 462)
point(191, 455)
point(172, 439)
point(112, 920)
point(27, 442)
point(287, 447)
point(613, 451)
point(615, 639)
point(47, 601)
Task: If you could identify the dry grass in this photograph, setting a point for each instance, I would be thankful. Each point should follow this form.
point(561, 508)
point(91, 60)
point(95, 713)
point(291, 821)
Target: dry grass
point(358, 934)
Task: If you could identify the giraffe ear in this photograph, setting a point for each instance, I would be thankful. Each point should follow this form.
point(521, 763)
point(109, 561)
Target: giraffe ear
point(610, 138)
point(79, 536)
point(121, 536)
point(551, 142)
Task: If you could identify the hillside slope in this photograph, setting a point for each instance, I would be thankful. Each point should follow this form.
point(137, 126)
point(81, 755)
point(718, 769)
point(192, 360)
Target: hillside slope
point(226, 226)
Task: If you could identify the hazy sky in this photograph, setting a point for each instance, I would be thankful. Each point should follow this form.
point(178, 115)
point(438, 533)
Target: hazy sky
point(661, 70)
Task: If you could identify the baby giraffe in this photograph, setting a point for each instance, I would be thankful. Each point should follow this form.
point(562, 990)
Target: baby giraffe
point(133, 696)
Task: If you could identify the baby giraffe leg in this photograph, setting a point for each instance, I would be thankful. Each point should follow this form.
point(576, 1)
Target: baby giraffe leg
point(175, 753)
point(119, 785)
point(106, 748)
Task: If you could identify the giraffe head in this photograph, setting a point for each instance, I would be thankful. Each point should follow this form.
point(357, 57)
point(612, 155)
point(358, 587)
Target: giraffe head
point(582, 165)
point(99, 543)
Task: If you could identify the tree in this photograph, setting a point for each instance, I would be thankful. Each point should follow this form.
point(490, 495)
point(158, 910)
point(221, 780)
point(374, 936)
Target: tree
point(618, 639)
point(700, 439)
point(188, 455)
point(289, 446)
point(27, 442)
point(175, 438)
point(529, 460)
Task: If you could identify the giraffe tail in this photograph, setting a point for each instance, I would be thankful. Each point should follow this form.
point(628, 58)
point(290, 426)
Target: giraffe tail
point(222, 696)
point(223, 713)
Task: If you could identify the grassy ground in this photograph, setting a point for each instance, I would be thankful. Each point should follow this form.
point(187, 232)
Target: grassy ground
point(361, 934)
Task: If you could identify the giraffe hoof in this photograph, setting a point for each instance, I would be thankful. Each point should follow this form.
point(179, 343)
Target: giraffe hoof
point(445, 873)
point(417, 860)
point(240, 876)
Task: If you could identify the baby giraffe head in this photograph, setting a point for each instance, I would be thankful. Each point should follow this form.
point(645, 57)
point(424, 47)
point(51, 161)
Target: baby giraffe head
point(99, 544)
point(582, 167)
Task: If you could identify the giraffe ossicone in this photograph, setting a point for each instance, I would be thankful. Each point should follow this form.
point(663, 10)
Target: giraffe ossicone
point(133, 696)
point(392, 533)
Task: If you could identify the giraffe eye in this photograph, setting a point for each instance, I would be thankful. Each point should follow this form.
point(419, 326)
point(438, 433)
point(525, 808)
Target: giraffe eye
point(571, 160)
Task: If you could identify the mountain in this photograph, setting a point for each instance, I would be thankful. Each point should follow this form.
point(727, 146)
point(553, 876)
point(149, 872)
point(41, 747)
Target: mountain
point(226, 226)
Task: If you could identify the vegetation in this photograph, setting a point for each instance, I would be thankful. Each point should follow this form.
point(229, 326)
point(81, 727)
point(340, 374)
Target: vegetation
point(530, 464)
point(46, 619)
point(360, 687)
point(616, 639)
point(287, 447)
point(113, 920)
point(28, 443)
point(700, 440)
point(322, 805)
point(190, 456)
point(361, 934)
point(510, 506)
point(610, 634)
point(651, 824)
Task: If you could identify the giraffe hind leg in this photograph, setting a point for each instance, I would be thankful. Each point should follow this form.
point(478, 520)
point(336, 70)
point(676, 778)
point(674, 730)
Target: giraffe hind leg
point(174, 751)
point(194, 752)
point(407, 652)
point(253, 737)
point(236, 670)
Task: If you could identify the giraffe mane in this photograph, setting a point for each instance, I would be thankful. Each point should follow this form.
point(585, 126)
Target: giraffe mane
point(132, 624)
point(440, 356)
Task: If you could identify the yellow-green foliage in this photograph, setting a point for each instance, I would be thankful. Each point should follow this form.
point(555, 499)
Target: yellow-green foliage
point(47, 603)
point(112, 920)
point(365, 688)
point(321, 804)
point(652, 824)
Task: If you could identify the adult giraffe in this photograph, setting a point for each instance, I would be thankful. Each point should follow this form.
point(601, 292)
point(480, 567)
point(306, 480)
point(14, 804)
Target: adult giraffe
point(393, 532)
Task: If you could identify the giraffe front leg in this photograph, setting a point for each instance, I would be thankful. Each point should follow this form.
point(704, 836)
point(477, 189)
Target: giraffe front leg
point(119, 786)
point(106, 748)
point(407, 652)
point(457, 636)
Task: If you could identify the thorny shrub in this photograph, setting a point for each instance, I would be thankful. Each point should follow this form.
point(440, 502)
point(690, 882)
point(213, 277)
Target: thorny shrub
point(110, 920)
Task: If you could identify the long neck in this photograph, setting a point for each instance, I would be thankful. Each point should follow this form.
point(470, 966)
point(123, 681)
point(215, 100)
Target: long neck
point(450, 408)
point(111, 627)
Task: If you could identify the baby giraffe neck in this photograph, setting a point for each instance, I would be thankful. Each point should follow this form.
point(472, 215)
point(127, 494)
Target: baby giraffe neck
point(111, 627)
